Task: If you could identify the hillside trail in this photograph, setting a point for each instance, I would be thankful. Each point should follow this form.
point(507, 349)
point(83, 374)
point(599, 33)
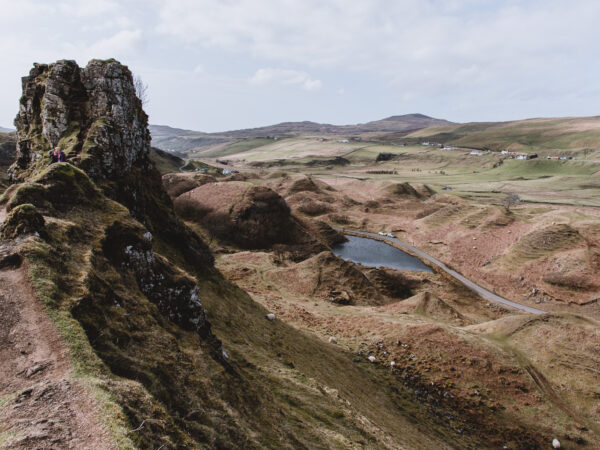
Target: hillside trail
point(41, 404)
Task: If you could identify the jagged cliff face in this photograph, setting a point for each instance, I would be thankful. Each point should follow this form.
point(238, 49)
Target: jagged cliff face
point(92, 113)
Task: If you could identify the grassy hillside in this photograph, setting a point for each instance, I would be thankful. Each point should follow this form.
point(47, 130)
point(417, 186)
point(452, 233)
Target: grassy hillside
point(168, 138)
point(175, 139)
point(167, 162)
point(241, 146)
point(552, 135)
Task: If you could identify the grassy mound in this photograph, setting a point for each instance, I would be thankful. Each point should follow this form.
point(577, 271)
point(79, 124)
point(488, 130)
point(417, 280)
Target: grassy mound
point(246, 215)
point(540, 243)
point(304, 184)
point(23, 219)
point(431, 306)
point(178, 183)
point(408, 190)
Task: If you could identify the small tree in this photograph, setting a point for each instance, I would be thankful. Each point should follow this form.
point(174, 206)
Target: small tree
point(141, 89)
point(510, 200)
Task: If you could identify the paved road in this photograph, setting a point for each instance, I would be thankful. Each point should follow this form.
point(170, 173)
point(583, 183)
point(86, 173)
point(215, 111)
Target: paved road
point(488, 295)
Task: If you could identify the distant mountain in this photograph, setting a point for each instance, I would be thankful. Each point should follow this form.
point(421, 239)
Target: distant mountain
point(175, 139)
point(6, 130)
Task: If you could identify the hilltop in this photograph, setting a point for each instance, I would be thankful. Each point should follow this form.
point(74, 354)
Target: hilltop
point(168, 138)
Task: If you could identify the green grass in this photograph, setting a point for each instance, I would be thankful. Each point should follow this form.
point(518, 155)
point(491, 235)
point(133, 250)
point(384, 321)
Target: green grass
point(165, 162)
point(547, 135)
point(535, 168)
point(238, 147)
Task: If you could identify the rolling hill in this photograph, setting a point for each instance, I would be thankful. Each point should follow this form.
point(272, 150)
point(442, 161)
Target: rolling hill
point(174, 139)
point(569, 133)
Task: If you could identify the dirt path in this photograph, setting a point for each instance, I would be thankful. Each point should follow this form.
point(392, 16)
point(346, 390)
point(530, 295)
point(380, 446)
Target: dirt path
point(41, 405)
point(488, 295)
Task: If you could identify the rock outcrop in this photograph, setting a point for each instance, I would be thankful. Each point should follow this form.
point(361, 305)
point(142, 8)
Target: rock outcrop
point(95, 116)
point(92, 113)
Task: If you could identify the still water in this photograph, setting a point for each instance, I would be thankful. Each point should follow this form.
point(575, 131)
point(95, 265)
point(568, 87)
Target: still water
point(373, 253)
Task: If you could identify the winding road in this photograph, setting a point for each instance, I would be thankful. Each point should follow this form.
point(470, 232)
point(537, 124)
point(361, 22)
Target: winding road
point(488, 295)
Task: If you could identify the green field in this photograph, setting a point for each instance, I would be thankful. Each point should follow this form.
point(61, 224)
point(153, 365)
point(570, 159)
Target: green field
point(241, 146)
point(570, 136)
point(490, 175)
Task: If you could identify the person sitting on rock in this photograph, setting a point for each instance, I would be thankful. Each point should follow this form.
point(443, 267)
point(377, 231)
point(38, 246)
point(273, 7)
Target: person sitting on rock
point(53, 156)
point(61, 155)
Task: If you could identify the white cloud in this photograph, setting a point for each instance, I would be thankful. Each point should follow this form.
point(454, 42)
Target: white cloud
point(286, 77)
point(120, 44)
point(82, 9)
point(420, 45)
point(463, 59)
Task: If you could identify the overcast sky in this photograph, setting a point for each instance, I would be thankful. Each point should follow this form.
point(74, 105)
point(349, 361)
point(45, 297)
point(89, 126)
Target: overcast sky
point(215, 65)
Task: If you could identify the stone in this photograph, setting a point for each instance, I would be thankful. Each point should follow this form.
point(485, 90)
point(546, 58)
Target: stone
point(93, 114)
point(270, 316)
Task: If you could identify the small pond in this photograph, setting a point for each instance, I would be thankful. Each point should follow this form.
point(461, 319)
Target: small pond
point(373, 253)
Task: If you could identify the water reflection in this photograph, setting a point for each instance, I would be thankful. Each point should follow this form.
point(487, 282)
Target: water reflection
point(373, 253)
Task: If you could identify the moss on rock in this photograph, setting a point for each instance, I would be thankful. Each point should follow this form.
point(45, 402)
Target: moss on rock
point(66, 185)
point(33, 193)
point(23, 219)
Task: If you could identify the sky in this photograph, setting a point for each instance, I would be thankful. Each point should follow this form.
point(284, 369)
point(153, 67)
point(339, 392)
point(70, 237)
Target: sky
point(215, 65)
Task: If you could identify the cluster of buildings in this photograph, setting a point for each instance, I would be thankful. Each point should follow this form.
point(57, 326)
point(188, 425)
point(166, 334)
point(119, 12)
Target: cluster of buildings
point(515, 155)
point(511, 155)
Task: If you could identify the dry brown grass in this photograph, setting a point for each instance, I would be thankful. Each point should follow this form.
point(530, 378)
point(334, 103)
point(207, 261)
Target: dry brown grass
point(569, 281)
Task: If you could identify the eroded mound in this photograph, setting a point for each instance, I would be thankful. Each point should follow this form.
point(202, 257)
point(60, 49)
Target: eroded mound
point(330, 278)
point(429, 305)
point(303, 184)
point(247, 215)
point(408, 190)
point(540, 243)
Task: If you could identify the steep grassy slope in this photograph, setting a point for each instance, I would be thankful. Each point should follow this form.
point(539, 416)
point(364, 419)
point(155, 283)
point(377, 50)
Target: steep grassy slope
point(135, 334)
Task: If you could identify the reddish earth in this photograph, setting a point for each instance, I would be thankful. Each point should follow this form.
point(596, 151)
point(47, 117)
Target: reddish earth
point(483, 242)
point(41, 404)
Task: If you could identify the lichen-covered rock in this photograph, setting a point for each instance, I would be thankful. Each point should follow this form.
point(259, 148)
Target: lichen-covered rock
point(92, 113)
point(24, 219)
point(174, 293)
point(95, 116)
